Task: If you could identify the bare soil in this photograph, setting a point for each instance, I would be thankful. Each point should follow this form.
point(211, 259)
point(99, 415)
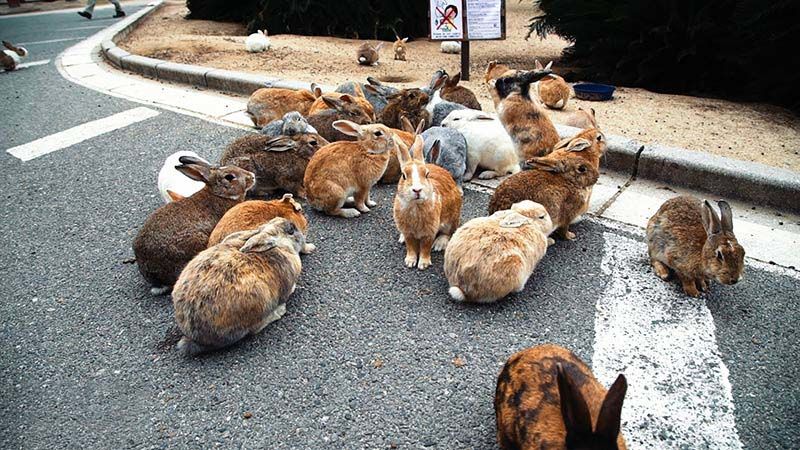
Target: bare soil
point(747, 131)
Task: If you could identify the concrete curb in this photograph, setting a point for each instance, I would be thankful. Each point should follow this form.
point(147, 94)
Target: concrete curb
point(725, 177)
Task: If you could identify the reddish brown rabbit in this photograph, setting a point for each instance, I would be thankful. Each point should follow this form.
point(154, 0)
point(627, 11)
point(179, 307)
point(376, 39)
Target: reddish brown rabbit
point(687, 237)
point(268, 104)
point(408, 103)
point(547, 398)
point(345, 108)
point(359, 97)
point(494, 71)
point(452, 92)
point(404, 139)
point(588, 144)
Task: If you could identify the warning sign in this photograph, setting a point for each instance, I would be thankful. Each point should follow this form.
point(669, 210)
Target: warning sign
point(465, 20)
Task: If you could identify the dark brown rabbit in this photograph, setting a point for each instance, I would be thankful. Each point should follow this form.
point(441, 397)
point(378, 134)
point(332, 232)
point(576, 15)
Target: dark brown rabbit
point(687, 237)
point(561, 184)
point(174, 233)
point(452, 92)
point(279, 163)
point(341, 109)
point(547, 398)
point(410, 103)
point(368, 54)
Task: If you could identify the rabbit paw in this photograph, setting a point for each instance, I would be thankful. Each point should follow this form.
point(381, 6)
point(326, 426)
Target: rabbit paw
point(441, 243)
point(348, 213)
point(362, 208)
point(487, 175)
point(424, 263)
point(411, 261)
point(160, 290)
point(371, 203)
point(308, 248)
point(402, 238)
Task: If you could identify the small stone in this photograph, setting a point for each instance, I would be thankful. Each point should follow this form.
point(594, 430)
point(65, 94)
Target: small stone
point(377, 363)
point(247, 414)
point(459, 362)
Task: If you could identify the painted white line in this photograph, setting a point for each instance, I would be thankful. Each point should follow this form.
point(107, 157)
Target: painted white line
point(679, 395)
point(75, 135)
point(50, 41)
point(31, 64)
point(91, 27)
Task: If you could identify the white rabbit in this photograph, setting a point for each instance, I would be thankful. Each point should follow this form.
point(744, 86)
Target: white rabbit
point(174, 185)
point(257, 42)
point(488, 144)
point(451, 47)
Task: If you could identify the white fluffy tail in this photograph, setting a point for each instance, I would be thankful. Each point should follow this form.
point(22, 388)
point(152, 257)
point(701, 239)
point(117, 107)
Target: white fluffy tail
point(457, 294)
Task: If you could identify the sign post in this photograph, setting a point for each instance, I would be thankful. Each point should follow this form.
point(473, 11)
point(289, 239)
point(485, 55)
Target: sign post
point(465, 21)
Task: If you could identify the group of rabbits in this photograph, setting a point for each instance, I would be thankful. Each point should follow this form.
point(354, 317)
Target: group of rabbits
point(232, 263)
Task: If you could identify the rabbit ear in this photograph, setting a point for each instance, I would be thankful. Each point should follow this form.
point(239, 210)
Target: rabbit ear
point(578, 145)
point(347, 127)
point(482, 116)
point(514, 220)
point(407, 126)
point(547, 164)
point(710, 220)
point(608, 421)
point(434, 153)
point(374, 82)
point(289, 198)
point(359, 92)
point(537, 65)
point(592, 110)
point(439, 83)
point(405, 40)
point(455, 80)
point(403, 154)
point(259, 243)
point(333, 103)
point(371, 88)
point(316, 90)
point(420, 126)
point(416, 149)
point(186, 159)
point(196, 172)
point(279, 144)
point(174, 196)
point(574, 410)
point(726, 216)
point(548, 66)
point(347, 98)
point(379, 46)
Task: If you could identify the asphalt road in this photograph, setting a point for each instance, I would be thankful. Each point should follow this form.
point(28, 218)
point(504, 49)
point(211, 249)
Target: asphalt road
point(364, 356)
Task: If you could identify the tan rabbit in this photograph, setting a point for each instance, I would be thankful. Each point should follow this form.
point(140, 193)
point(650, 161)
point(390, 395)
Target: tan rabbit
point(687, 237)
point(427, 206)
point(404, 139)
point(252, 214)
point(174, 233)
point(561, 184)
point(494, 71)
point(547, 398)
point(588, 144)
point(268, 104)
point(553, 90)
point(491, 257)
point(359, 97)
point(400, 49)
point(238, 287)
point(582, 118)
point(343, 169)
point(368, 54)
point(525, 121)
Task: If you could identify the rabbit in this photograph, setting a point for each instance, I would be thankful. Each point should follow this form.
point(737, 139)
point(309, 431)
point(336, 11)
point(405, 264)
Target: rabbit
point(12, 56)
point(251, 214)
point(589, 144)
point(410, 103)
point(291, 124)
point(374, 91)
point(176, 232)
point(526, 122)
point(343, 169)
point(404, 139)
point(278, 163)
point(268, 104)
point(452, 47)
point(368, 54)
point(488, 144)
point(437, 107)
point(686, 236)
point(488, 258)
point(494, 71)
point(582, 118)
point(441, 110)
point(427, 205)
point(319, 104)
point(400, 49)
point(452, 92)
point(238, 287)
point(257, 42)
point(561, 184)
point(546, 397)
point(552, 89)
point(174, 185)
point(452, 151)
point(340, 109)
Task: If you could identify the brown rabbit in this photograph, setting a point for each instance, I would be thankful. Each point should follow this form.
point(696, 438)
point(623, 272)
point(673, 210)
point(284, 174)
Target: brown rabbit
point(12, 56)
point(561, 184)
point(359, 97)
point(553, 90)
point(582, 118)
point(268, 104)
point(452, 92)
point(547, 398)
point(342, 169)
point(686, 236)
point(252, 214)
point(528, 124)
point(174, 233)
point(494, 71)
point(238, 287)
point(340, 109)
point(279, 163)
point(588, 144)
point(410, 103)
point(427, 206)
point(400, 49)
point(368, 54)
point(404, 139)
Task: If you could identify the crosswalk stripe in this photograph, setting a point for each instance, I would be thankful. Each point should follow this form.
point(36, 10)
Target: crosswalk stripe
point(80, 133)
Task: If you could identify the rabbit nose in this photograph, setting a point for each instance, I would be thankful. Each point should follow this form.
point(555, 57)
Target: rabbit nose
point(416, 191)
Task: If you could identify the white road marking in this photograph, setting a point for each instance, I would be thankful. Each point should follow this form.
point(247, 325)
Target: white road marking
point(679, 395)
point(31, 64)
point(80, 133)
point(91, 27)
point(50, 41)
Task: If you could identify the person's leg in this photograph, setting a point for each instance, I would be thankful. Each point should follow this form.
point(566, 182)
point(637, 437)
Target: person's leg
point(90, 6)
point(118, 7)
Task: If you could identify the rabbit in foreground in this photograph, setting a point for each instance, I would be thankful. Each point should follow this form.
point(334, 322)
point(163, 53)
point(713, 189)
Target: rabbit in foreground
point(404, 139)
point(400, 49)
point(368, 54)
point(174, 233)
point(268, 104)
point(491, 257)
point(687, 237)
point(553, 90)
point(292, 123)
point(546, 397)
point(12, 56)
point(589, 144)
point(174, 185)
point(238, 287)
point(562, 185)
point(582, 118)
point(343, 169)
point(488, 144)
point(257, 42)
point(251, 214)
point(427, 206)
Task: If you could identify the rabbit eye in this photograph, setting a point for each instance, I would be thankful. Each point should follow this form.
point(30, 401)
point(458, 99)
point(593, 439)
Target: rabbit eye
point(230, 177)
point(599, 138)
point(582, 169)
point(403, 174)
point(378, 133)
point(427, 173)
point(542, 217)
point(720, 256)
point(313, 143)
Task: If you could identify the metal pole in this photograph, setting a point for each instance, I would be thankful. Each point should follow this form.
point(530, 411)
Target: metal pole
point(465, 60)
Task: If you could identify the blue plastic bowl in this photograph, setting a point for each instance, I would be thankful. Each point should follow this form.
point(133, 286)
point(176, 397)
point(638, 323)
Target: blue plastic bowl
point(594, 91)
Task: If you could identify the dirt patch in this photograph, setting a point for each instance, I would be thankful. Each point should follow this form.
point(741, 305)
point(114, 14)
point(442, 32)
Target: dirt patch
point(746, 131)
